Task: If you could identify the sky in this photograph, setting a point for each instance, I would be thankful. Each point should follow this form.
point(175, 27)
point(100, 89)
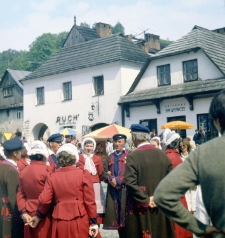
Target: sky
point(24, 20)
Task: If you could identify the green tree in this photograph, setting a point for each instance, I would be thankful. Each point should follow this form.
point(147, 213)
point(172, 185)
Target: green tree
point(85, 24)
point(118, 28)
point(94, 26)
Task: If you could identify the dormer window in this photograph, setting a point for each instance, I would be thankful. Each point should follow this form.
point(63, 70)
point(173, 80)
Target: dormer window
point(8, 92)
point(190, 70)
point(163, 74)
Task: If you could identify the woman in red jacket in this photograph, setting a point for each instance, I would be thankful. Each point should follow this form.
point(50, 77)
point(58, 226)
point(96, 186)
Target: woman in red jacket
point(171, 140)
point(93, 164)
point(25, 160)
point(71, 190)
point(32, 181)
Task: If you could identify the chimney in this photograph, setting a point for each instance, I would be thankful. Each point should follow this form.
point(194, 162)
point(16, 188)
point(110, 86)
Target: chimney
point(103, 29)
point(143, 45)
point(75, 21)
point(128, 37)
point(152, 41)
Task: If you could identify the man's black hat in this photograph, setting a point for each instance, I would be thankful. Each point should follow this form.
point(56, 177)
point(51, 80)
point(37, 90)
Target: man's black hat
point(139, 128)
point(55, 138)
point(119, 136)
point(13, 144)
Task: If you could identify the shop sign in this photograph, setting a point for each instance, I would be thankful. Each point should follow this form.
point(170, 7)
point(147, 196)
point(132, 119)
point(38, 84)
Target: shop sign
point(67, 120)
point(176, 107)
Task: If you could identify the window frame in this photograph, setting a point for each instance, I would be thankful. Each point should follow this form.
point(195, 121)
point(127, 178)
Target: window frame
point(5, 95)
point(148, 123)
point(69, 89)
point(43, 96)
point(157, 73)
point(185, 74)
point(95, 85)
point(18, 115)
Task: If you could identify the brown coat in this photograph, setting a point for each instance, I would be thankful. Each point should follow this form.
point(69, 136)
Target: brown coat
point(11, 225)
point(145, 168)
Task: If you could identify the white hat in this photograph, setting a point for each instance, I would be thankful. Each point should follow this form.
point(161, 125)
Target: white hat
point(38, 147)
point(158, 139)
point(91, 139)
point(70, 149)
point(169, 136)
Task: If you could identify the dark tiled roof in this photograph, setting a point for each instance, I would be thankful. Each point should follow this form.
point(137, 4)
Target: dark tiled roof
point(178, 90)
point(212, 43)
point(91, 53)
point(17, 105)
point(87, 33)
point(18, 74)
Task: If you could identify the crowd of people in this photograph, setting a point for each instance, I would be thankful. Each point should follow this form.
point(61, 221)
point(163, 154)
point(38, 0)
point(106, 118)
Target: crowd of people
point(166, 187)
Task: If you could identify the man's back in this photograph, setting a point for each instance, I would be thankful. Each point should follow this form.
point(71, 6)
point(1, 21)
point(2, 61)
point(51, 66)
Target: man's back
point(206, 167)
point(145, 168)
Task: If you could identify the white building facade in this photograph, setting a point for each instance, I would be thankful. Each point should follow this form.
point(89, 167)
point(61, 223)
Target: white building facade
point(82, 91)
point(178, 83)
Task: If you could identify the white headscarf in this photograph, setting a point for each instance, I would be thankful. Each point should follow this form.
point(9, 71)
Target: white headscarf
point(158, 139)
point(38, 147)
point(2, 153)
point(89, 164)
point(70, 149)
point(169, 136)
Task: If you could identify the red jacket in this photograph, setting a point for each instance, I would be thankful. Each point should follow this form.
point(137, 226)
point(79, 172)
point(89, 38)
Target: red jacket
point(72, 191)
point(32, 181)
point(21, 164)
point(174, 157)
point(98, 165)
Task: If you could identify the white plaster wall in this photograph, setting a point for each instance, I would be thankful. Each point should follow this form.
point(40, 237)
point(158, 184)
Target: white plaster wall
point(206, 69)
point(82, 96)
point(201, 106)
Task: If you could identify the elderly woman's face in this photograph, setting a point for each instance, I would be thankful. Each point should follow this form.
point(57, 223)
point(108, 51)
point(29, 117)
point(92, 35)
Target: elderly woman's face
point(88, 148)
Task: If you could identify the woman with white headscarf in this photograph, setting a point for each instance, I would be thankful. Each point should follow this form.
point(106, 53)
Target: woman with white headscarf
point(32, 181)
point(71, 190)
point(171, 140)
point(93, 163)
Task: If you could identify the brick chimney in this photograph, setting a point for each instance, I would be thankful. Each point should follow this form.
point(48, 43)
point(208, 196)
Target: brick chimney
point(143, 45)
point(152, 41)
point(128, 37)
point(103, 29)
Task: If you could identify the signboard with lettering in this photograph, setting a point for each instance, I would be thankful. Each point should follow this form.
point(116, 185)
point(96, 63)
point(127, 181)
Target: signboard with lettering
point(175, 107)
point(67, 120)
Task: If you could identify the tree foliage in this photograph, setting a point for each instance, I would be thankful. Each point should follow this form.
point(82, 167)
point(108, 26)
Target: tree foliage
point(39, 51)
point(85, 24)
point(118, 28)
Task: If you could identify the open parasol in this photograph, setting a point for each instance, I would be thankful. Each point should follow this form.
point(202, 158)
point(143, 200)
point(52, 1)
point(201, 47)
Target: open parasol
point(68, 131)
point(109, 132)
point(177, 125)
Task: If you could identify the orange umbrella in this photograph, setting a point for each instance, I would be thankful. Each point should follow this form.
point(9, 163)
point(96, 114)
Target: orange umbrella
point(109, 132)
point(177, 125)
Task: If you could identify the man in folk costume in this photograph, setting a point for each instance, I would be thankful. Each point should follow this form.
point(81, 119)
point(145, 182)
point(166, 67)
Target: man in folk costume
point(114, 169)
point(145, 168)
point(55, 142)
point(11, 225)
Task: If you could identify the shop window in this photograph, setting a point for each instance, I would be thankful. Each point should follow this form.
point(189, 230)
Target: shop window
point(8, 92)
point(182, 133)
point(40, 96)
point(190, 70)
point(67, 91)
point(150, 123)
point(163, 75)
point(99, 85)
point(209, 128)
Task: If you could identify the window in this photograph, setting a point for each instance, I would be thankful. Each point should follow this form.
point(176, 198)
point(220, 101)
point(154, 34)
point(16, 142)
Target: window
point(40, 96)
point(209, 128)
point(18, 115)
point(182, 133)
point(67, 91)
point(8, 92)
point(190, 70)
point(150, 123)
point(99, 85)
point(163, 74)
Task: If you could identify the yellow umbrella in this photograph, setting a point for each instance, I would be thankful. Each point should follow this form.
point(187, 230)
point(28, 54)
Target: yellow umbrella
point(109, 132)
point(68, 131)
point(177, 125)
